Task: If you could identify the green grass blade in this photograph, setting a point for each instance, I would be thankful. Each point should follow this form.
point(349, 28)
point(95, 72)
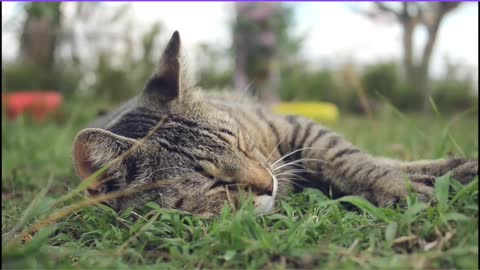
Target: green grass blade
point(442, 185)
point(365, 206)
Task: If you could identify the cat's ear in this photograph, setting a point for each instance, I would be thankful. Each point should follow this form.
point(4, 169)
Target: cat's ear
point(94, 148)
point(165, 84)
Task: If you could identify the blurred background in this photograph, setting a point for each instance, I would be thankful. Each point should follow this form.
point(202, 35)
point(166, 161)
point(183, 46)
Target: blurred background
point(418, 57)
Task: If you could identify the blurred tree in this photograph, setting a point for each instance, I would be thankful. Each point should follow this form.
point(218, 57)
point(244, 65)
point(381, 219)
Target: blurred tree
point(410, 15)
point(118, 82)
point(81, 46)
point(101, 40)
point(39, 32)
point(52, 27)
point(383, 81)
point(212, 72)
point(39, 37)
point(455, 90)
point(91, 28)
point(261, 37)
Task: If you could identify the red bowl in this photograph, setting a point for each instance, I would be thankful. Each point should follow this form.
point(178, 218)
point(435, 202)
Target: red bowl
point(37, 103)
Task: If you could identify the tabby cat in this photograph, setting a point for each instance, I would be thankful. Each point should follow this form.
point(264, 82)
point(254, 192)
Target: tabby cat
point(202, 152)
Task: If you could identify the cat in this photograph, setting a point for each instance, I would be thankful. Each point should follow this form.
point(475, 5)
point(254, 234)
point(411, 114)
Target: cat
point(202, 152)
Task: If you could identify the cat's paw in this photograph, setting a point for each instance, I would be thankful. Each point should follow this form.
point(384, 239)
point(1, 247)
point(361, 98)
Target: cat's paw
point(466, 171)
point(394, 188)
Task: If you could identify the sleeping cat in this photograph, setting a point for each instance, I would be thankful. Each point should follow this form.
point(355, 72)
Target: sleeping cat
point(203, 152)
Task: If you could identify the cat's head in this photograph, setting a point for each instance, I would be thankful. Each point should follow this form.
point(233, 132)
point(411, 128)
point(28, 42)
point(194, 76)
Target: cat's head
point(171, 147)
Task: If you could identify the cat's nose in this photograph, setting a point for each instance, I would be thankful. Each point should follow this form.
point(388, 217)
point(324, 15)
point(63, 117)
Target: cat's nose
point(262, 187)
point(259, 180)
point(269, 190)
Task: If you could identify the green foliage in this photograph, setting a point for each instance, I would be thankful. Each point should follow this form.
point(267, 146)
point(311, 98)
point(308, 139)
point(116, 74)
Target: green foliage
point(212, 73)
point(117, 83)
point(263, 44)
point(383, 81)
point(24, 76)
point(382, 84)
point(288, 43)
point(111, 82)
point(249, 29)
point(300, 84)
point(41, 10)
point(213, 80)
point(454, 94)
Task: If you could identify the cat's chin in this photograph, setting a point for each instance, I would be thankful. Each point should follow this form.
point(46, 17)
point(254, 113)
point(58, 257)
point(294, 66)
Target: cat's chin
point(264, 204)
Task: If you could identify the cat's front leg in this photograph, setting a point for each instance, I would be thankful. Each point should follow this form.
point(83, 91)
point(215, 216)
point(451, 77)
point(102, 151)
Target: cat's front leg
point(383, 185)
point(464, 170)
point(346, 170)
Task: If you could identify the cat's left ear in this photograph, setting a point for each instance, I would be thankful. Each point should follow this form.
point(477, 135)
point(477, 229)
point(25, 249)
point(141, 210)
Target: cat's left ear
point(165, 84)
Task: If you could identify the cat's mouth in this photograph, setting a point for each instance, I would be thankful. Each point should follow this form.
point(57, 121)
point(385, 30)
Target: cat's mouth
point(264, 203)
point(264, 197)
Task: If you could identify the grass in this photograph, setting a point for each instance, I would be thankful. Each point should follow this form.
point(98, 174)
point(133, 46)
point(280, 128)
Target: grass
point(307, 230)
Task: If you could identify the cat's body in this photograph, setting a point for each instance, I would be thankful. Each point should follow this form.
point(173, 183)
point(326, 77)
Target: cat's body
point(205, 150)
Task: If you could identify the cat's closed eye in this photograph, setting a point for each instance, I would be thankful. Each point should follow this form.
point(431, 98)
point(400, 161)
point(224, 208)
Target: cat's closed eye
point(220, 183)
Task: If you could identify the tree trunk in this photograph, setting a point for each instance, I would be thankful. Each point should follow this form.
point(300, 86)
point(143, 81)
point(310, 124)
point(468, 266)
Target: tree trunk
point(409, 66)
point(426, 59)
point(417, 72)
point(40, 35)
point(240, 83)
point(38, 42)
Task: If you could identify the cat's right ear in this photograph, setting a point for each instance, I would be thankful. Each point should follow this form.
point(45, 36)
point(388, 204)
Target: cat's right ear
point(165, 84)
point(94, 148)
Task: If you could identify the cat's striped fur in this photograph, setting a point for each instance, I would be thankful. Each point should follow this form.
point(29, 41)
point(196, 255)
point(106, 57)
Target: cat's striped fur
point(204, 151)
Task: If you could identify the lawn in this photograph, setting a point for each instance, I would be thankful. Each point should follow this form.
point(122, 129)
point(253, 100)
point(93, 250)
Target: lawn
point(307, 230)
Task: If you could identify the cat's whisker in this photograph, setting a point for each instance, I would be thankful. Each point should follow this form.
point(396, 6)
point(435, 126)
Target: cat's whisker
point(298, 166)
point(293, 174)
point(289, 181)
point(293, 171)
point(229, 199)
point(245, 90)
point(302, 169)
point(295, 165)
point(300, 160)
point(275, 148)
point(298, 177)
point(286, 173)
point(278, 144)
point(296, 151)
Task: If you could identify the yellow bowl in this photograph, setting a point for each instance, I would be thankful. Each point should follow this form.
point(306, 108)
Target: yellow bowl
point(320, 111)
